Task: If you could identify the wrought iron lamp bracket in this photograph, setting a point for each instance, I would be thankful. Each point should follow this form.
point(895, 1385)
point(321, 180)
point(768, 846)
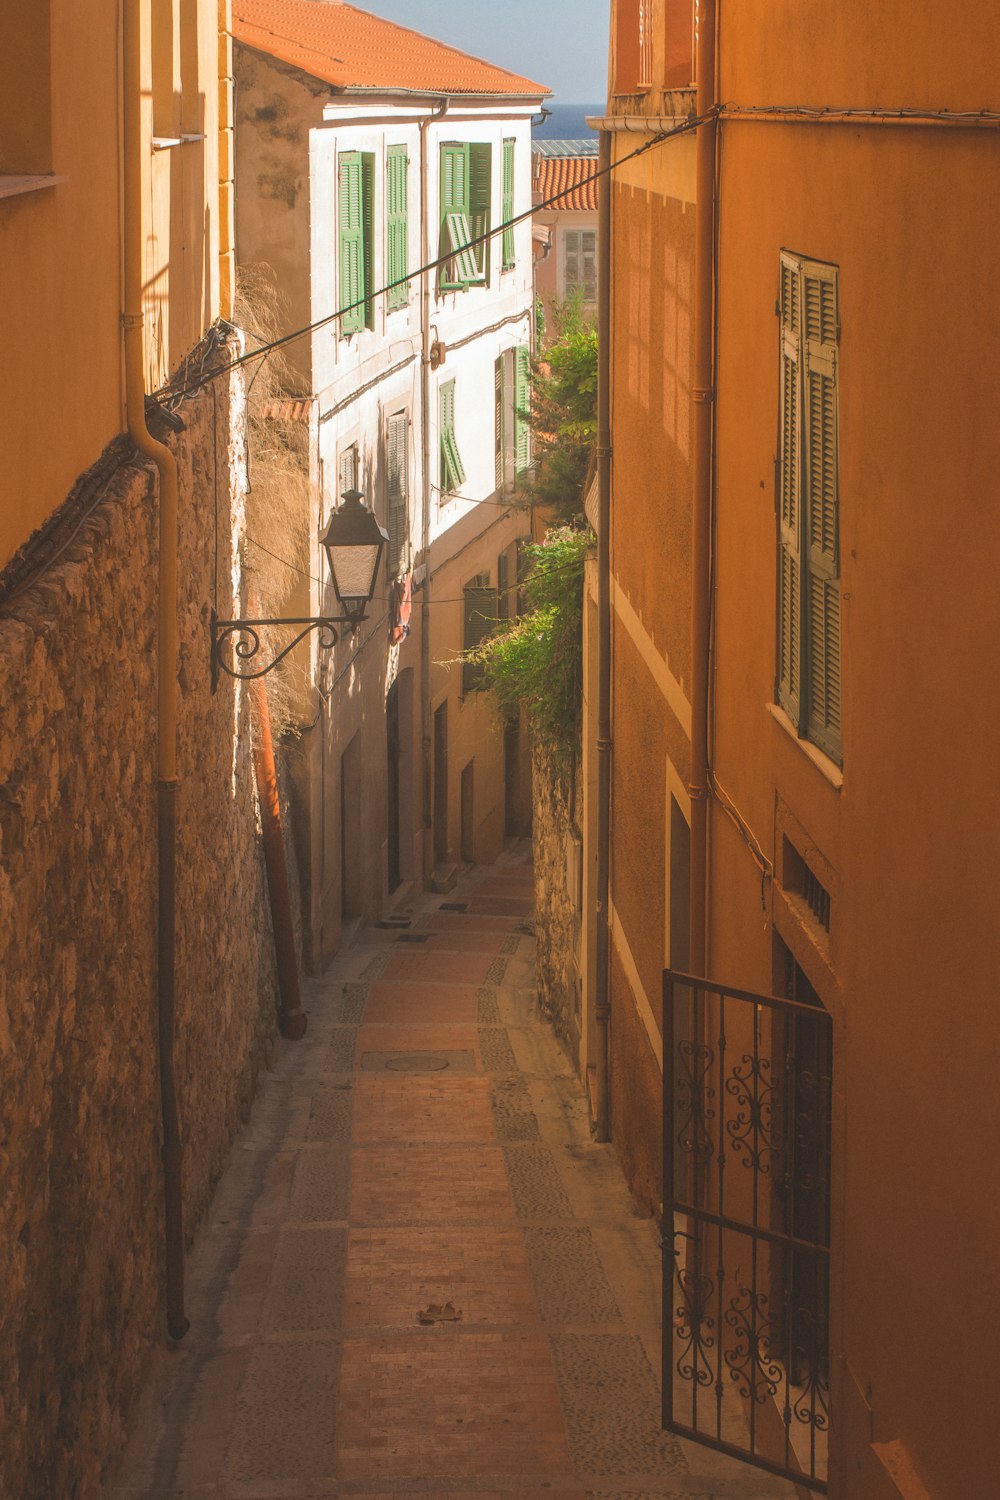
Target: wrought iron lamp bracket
point(246, 641)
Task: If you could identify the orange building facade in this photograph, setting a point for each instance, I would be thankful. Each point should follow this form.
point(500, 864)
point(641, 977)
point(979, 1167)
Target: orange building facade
point(851, 816)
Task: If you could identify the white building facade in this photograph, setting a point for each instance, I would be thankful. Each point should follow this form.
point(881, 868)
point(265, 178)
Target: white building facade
point(377, 208)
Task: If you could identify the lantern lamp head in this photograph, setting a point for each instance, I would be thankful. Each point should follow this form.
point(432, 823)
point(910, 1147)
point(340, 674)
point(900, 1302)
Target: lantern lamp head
point(354, 542)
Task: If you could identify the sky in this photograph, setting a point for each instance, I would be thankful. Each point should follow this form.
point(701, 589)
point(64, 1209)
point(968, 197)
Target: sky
point(562, 43)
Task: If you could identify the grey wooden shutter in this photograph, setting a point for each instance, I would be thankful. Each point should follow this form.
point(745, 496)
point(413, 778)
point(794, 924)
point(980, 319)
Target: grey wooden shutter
point(480, 622)
point(821, 520)
point(503, 586)
point(397, 436)
point(789, 498)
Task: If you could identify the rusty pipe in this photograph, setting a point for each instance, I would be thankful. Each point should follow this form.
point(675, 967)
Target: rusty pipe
point(602, 977)
point(166, 738)
point(703, 425)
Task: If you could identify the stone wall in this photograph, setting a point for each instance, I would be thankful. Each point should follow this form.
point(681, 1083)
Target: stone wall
point(81, 1216)
point(557, 919)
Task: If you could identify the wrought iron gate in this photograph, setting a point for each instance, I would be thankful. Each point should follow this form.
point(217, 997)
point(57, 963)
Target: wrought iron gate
point(746, 1230)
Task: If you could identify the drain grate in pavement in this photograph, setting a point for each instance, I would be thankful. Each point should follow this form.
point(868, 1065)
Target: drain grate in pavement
point(461, 1061)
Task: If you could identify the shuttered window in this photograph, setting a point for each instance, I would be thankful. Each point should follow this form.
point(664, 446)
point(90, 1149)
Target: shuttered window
point(398, 485)
point(522, 409)
point(507, 203)
point(396, 226)
point(809, 656)
point(355, 214)
point(348, 471)
point(452, 470)
point(480, 622)
point(466, 177)
point(503, 586)
point(580, 263)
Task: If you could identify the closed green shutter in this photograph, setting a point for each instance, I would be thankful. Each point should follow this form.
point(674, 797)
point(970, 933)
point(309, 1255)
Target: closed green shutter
point(352, 242)
point(507, 204)
point(397, 227)
point(397, 438)
point(789, 472)
point(452, 470)
point(368, 237)
point(522, 409)
point(481, 202)
point(480, 623)
point(822, 523)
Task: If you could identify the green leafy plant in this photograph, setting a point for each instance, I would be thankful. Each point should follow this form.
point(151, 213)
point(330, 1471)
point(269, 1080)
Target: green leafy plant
point(535, 661)
point(564, 413)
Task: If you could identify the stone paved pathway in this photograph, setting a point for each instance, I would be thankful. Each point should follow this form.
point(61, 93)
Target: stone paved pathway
point(419, 1275)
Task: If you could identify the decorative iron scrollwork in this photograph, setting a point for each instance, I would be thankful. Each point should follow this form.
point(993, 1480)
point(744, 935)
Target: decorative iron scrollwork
point(694, 1096)
point(751, 1084)
point(695, 1328)
point(751, 1364)
point(245, 638)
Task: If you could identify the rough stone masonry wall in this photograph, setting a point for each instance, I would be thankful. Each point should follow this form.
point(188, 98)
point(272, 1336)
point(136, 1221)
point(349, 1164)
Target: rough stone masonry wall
point(556, 917)
point(81, 1217)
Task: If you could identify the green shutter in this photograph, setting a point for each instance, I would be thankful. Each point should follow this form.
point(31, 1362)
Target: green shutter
point(499, 414)
point(352, 242)
point(507, 204)
point(452, 470)
point(397, 227)
point(367, 235)
point(789, 472)
point(821, 526)
point(522, 409)
point(397, 439)
point(503, 586)
point(481, 202)
point(480, 623)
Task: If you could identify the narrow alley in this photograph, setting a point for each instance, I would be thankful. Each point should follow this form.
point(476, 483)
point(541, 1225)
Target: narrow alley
point(419, 1275)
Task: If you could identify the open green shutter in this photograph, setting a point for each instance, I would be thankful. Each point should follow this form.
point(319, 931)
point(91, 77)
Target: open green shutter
point(397, 229)
point(499, 456)
point(821, 519)
point(397, 436)
point(452, 469)
point(522, 408)
point(507, 204)
point(480, 623)
point(481, 201)
point(455, 230)
point(352, 246)
point(789, 506)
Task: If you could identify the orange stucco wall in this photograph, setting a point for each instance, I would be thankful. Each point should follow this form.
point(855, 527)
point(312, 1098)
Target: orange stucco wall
point(906, 835)
point(61, 388)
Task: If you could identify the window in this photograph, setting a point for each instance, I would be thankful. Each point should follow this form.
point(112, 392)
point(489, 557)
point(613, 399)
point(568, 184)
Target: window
point(507, 204)
point(512, 416)
point(645, 43)
point(466, 187)
point(808, 685)
point(452, 470)
point(356, 185)
point(398, 485)
point(480, 622)
point(348, 471)
point(580, 263)
point(397, 231)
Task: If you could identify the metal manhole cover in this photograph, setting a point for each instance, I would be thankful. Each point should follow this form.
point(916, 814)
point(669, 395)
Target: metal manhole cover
point(460, 1061)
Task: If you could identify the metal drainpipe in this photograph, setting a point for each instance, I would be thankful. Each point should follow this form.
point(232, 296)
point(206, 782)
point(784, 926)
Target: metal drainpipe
point(704, 401)
point(425, 458)
point(602, 997)
point(167, 782)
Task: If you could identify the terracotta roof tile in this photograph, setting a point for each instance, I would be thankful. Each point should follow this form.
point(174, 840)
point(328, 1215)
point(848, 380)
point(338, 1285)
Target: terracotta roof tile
point(565, 174)
point(349, 48)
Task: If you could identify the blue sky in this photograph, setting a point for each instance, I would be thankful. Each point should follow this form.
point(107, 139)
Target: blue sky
point(563, 43)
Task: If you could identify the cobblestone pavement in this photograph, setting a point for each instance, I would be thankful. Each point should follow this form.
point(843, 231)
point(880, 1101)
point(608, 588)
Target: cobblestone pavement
point(419, 1275)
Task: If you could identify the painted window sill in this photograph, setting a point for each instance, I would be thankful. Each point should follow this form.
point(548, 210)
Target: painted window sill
point(826, 767)
point(13, 185)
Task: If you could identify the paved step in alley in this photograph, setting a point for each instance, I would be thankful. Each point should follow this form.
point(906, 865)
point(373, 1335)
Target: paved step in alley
point(419, 1275)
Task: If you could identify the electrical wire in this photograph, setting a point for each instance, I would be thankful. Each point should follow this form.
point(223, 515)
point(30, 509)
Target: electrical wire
point(171, 393)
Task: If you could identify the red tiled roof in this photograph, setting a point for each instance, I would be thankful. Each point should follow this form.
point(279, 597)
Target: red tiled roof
point(349, 48)
point(565, 174)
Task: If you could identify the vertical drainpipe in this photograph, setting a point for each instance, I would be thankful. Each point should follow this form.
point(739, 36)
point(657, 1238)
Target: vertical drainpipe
point(704, 403)
point(602, 997)
point(425, 459)
point(166, 772)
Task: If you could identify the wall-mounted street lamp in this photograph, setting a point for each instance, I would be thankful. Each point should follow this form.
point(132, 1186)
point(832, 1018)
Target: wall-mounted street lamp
point(354, 541)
